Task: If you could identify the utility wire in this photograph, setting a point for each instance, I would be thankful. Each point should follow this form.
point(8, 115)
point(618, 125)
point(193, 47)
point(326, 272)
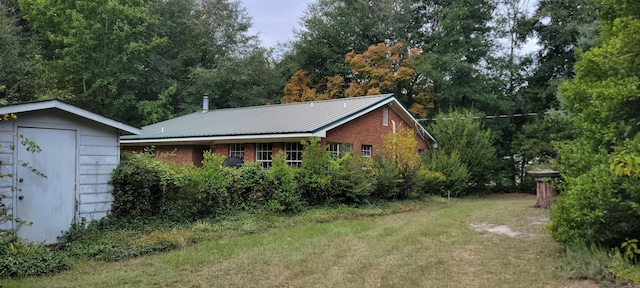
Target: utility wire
point(494, 116)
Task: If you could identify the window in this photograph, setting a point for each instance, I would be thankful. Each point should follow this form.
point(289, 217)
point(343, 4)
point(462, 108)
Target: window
point(385, 116)
point(236, 150)
point(263, 154)
point(338, 149)
point(366, 150)
point(294, 153)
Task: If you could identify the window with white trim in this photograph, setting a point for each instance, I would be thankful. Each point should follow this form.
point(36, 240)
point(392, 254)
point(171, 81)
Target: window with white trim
point(365, 150)
point(263, 154)
point(385, 116)
point(294, 153)
point(338, 149)
point(236, 150)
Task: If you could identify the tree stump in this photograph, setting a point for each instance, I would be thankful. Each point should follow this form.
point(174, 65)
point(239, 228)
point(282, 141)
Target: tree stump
point(545, 193)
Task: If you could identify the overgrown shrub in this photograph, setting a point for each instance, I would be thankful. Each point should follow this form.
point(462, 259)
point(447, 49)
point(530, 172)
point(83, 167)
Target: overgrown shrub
point(249, 188)
point(285, 197)
point(456, 175)
point(427, 182)
point(23, 259)
point(597, 207)
point(352, 178)
point(459, 132)
point(314, 180)
point(388, 181)
point(211, 183)
point(136, 188)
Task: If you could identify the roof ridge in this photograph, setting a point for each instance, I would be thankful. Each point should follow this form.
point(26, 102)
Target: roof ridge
point(300, 103)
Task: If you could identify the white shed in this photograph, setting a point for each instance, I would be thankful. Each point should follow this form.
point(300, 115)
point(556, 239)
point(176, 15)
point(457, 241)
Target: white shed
point(79, 150)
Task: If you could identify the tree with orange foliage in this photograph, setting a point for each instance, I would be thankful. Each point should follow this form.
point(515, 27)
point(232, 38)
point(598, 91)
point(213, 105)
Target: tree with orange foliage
point(381, 69)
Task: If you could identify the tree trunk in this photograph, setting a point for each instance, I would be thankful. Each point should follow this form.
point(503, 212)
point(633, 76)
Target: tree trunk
point(544, 194)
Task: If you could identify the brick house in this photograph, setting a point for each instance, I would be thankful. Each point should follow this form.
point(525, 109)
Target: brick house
point(255, 134)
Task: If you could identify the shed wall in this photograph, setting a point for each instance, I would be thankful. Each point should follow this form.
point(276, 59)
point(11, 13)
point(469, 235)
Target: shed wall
point(97, 155)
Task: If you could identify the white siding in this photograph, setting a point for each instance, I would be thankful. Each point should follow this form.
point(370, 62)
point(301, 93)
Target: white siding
point(98, 154)
point(6, 167)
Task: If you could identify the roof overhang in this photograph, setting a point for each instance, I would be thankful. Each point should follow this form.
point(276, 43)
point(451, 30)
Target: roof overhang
point(56, 104)
point(397, 107)
point(291, 137)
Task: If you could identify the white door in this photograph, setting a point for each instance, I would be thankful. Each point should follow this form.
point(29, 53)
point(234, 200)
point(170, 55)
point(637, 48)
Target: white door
point(47, 202)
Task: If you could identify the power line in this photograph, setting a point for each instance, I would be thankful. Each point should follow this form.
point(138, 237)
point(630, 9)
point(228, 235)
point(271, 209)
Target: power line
point(504, 116)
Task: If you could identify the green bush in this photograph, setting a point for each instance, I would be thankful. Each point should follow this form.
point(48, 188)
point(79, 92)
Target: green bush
point(456, 175)
point(146, 187)
point(352, 179)
point(597, 207)
point(388, 181)
point(285, 197)
point(210, 186)
point(22, 259)
point(250, 188)
point(314, 179)
point(428, 182)
point(459, 132)
point(139, 185)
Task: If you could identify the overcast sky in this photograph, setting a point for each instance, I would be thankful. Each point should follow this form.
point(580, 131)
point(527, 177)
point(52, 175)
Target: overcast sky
point(274, 20)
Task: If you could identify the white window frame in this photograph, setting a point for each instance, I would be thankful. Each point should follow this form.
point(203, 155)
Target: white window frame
point(339, 149)
point(264, 150)
point(385, 116)
point(365, 150)
point(236, 150)
point(294, 153)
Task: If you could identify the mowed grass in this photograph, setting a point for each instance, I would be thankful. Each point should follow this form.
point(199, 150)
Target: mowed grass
point(429, 245)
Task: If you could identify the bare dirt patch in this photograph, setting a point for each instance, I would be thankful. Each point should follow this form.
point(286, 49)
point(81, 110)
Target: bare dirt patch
point(500, 229)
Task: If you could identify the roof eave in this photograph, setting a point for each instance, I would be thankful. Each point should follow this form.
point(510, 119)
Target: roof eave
point(212, 139)
point(49, 104)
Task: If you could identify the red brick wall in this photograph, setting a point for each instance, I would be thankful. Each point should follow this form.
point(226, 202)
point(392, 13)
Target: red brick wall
point(176, 153)
point(368, 129)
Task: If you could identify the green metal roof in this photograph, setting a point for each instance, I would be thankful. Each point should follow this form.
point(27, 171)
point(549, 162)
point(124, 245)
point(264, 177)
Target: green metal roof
point(304, 118)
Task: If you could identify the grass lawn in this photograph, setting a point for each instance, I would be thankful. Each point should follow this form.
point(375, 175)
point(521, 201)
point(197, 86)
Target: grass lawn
point(433, 244)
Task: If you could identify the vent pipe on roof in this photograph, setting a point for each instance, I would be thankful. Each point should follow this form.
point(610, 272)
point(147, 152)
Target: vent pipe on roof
point(205, 103)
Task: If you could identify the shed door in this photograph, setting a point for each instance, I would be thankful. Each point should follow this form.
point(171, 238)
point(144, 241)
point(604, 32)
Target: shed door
point(47, 202)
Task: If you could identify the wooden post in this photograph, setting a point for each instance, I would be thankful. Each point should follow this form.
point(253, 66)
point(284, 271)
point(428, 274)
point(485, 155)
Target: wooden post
point(544, 190)
point(544, 193)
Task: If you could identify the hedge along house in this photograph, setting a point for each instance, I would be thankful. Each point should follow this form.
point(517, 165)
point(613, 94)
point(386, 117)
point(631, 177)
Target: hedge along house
point(78, 152)
point(255, 134)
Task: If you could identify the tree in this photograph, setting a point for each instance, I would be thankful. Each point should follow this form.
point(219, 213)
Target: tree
point(457, 44)
point(462, 136)
point(562, 28)
point(209, 51)
point(599, 206)
point(333, 28)
point(22, 73)
point(381, 69)
point(96, 49)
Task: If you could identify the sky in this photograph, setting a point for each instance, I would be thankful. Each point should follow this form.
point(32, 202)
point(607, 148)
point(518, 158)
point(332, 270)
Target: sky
point(275, 20)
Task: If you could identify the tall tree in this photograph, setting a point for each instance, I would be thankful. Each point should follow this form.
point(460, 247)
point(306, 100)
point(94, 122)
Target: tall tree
point(333, 28)
point(208, 51)
point(562, 28)
point(456, 51)
point(96, 48)
point(22, 73)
